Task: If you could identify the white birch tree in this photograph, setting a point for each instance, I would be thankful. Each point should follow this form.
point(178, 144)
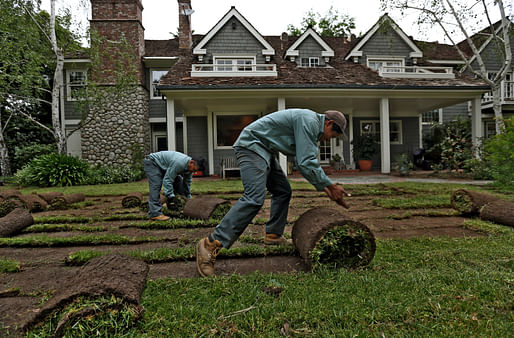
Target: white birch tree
point(462, 18)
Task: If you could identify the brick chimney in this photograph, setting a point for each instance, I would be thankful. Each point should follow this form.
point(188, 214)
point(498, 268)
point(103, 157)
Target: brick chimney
point(185, 38)
point(113, 18)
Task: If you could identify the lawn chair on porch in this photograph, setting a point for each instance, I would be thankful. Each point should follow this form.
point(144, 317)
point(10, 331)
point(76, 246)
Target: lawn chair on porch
point(228, 163)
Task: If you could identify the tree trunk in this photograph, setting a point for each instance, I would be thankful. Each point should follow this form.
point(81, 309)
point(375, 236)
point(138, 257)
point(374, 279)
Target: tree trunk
point(497, 107)
point(58, 83)
point(5, 163)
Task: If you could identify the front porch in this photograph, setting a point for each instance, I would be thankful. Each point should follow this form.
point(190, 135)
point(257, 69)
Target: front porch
point(210, 118)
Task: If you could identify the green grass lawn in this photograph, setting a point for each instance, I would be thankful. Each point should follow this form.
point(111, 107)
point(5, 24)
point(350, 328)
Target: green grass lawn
point(434, 287)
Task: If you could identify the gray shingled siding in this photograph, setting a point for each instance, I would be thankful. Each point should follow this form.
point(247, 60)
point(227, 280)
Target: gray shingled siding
point(157, 108)
point(386, 42)
point(453, 112)
point(310, 48)
point(232, 42)
point(410, 137)
point(197, 138)
point(492, 57)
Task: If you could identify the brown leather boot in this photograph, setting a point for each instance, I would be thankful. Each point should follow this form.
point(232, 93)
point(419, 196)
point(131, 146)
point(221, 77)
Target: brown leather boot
point(161, 217)
point(206, 252)
point(274, 239)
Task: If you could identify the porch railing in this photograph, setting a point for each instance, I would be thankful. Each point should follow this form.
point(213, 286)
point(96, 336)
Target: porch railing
point(417, 72)
point(210, 70)
point(506, 93)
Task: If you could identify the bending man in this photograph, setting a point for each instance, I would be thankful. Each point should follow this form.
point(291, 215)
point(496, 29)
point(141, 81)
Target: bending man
point(293, 132)
point(174, 172)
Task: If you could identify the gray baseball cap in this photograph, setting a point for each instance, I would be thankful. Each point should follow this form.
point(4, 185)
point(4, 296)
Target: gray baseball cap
point(338, 119)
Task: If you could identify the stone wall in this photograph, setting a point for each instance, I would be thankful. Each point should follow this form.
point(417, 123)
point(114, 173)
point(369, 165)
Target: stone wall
point(115, 127)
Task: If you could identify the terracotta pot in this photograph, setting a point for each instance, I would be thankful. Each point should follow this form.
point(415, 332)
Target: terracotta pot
point(365, 165)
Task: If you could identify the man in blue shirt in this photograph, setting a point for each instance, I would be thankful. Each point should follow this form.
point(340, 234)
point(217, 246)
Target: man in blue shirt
point(293, 132)
point(174, 172)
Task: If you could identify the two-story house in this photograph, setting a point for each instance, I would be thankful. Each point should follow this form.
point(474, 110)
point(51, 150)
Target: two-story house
point(203, 89)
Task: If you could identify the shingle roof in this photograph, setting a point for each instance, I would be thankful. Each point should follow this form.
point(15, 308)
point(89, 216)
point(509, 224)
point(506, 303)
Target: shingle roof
point(341, 74)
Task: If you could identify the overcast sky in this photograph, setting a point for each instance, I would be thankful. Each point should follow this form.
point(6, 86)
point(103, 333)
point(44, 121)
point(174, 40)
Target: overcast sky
point(269, 17)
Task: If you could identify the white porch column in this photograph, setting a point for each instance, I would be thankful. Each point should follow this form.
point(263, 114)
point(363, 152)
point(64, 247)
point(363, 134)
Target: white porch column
point(476, 122)
point(282, 159)
point(170, 124)
point(385, 148)
point(210, 143)
point(184, 133)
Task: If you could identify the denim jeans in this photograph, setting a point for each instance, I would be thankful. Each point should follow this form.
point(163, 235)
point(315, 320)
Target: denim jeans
point(256, 176)
point(155, 177)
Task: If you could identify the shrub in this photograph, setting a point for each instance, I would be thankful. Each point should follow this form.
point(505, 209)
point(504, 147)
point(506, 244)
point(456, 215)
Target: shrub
point(499, 151)
point(107, 174)
point(23, 155)
point(455, 147)
point(53, 170)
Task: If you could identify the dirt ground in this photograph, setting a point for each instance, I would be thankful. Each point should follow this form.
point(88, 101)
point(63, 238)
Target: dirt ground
point(43, 268)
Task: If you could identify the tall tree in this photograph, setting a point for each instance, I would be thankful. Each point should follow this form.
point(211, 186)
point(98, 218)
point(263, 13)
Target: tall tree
point(26, 66)
point(464, 17)
point(332, 23)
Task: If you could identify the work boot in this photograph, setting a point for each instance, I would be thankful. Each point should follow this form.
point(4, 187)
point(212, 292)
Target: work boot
point(274, 239)
point(206, 252)
point(161, 217)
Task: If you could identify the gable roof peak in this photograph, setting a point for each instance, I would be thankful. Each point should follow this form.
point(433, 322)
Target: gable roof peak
point(233, 13)
point(293, 50)
point(385, 18)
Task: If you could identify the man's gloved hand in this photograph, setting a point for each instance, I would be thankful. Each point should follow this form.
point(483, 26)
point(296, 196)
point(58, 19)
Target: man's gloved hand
point(173, 203)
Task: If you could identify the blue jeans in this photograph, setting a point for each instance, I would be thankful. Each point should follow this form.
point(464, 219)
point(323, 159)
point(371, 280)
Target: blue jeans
point(257, 176)
point(155, 177)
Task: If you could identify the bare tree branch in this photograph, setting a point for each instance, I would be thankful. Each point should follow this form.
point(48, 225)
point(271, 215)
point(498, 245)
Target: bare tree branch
point(35, 121)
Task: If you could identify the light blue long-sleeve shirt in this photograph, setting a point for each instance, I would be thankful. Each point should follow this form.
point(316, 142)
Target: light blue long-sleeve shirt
point(173, 163)
point(293, 132)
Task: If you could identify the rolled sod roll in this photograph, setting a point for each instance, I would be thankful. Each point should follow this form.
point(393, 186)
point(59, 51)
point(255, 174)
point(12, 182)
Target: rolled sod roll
point(499, 211)
point(470, 202)
point(101, 280)
point(325, 236)
point(8, 205)
point(5, 194)
point(205, 207)
point(132, 200)
point(33, 203)
point(49, 196)
point(15, 221)
point(64, 201)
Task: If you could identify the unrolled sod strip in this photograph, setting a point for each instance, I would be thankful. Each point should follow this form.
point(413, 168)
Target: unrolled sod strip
point(325, 236)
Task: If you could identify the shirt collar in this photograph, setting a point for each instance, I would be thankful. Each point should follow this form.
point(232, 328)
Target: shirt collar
point(322, 125)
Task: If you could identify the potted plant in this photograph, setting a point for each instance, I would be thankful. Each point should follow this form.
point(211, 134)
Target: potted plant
point(363, 150)
point(336, 162)
point(403, 164)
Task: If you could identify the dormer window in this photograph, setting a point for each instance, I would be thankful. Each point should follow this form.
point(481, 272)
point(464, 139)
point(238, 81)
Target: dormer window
point(310, 62)
point(234, 64)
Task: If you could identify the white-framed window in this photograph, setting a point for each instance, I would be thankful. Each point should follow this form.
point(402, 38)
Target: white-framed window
point(433, 116)
point(373, 127)
point(490, 129)
point(233, 64)
point(377, 63)
point(155, 77)
point(159, 141)
point(325, 151)
point(309, 62)
point(228, 126)
point(76, 80)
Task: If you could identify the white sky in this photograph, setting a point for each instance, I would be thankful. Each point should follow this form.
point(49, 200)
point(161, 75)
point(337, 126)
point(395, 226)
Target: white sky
point(269, 17)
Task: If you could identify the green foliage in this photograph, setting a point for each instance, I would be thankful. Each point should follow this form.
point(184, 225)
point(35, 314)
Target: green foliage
point(456, 144)
point(331, 24)
point(24, 154)
point(137, 158)
point(8, 265)
point(500, 153)
point(364, 147)
point(53, 170)
point(403, 164)
point(108, 174)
